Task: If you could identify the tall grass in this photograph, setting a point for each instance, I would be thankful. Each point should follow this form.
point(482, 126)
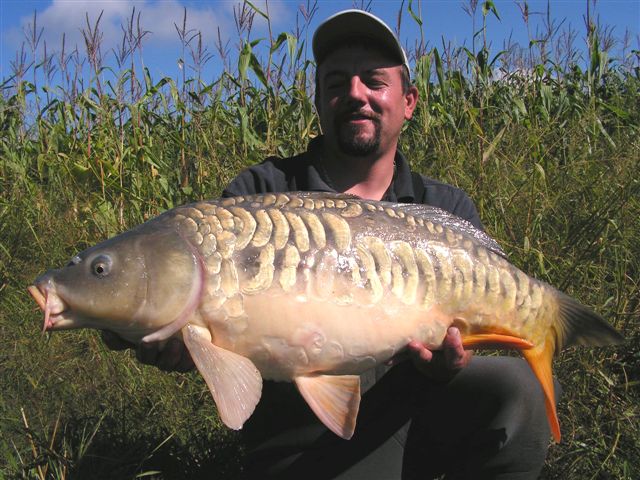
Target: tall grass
point(543, 137)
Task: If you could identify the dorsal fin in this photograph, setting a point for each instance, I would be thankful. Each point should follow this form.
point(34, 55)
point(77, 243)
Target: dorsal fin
point(437, 215)
point(327, 195)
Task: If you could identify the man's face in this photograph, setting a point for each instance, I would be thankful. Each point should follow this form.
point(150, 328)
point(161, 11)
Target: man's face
point(361, 101)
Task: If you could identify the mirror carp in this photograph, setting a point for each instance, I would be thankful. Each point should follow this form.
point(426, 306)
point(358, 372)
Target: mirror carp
point(313, 288)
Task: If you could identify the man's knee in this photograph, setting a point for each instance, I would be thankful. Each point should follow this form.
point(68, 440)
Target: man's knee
point(510, 385)
point(492, 415)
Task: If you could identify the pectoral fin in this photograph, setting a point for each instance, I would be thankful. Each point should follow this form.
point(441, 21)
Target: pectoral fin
point(334, 399)
point(234, 381)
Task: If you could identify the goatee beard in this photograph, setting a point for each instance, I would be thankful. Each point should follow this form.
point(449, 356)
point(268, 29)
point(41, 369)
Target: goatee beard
point(351, 144)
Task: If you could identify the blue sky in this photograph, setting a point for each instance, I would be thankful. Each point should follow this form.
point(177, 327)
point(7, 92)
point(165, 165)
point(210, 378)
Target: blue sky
point(442, 19)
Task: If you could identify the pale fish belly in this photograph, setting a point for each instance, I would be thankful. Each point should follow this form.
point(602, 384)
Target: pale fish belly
point(296, 337)
point(302, 312)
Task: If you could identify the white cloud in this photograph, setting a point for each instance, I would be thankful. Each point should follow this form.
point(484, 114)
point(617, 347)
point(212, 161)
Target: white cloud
point(69, 17)
point(161, 17)
point(161, 47)
point(158, 17)
point(280, 13)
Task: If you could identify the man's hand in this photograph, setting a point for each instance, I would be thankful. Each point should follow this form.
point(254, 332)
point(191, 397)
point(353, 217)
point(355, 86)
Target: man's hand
point(441, 365)
point(173, 357)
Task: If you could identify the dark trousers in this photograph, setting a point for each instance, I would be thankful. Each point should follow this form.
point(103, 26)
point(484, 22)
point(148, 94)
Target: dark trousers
point(489, 422)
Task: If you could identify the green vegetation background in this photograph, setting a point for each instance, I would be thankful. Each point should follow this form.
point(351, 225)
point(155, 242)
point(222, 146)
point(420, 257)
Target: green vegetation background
point(546, 142)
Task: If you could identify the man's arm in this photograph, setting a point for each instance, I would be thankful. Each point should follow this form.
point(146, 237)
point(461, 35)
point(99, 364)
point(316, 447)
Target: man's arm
point(172, 357)
point(452, 199)
point(268, 176)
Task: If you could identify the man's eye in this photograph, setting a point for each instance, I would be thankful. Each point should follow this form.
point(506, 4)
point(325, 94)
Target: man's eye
point(335, 84)
point(375, 83)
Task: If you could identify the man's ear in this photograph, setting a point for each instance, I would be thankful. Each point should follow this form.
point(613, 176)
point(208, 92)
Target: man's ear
point(316, 104)
point(411, 101)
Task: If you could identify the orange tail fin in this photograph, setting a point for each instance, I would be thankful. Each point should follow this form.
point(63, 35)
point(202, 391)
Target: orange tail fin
point(539, 359)
point(574, 325)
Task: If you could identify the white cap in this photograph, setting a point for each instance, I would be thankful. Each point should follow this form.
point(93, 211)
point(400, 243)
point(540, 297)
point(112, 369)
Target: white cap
point(355, 24)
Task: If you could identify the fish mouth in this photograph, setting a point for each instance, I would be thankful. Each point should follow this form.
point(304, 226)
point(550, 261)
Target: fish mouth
point(57, 315)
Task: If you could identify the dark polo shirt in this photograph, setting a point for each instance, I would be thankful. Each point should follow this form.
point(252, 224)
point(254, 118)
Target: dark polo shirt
point(283, 437)
point(304, 173)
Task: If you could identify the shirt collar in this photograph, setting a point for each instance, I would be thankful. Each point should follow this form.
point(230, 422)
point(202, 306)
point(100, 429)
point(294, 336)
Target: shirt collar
point(318, 180)
point(400, 190)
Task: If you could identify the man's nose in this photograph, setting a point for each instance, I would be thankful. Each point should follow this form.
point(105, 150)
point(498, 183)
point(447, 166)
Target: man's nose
point(357, 89)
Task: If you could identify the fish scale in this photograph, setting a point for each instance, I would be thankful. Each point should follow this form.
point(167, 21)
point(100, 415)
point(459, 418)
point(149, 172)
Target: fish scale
point(500, 287)
point(288, 229)
point(313, 288)
point(385, 269)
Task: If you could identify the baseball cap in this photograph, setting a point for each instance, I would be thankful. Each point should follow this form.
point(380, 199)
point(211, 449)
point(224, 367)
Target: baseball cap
point(355, 23)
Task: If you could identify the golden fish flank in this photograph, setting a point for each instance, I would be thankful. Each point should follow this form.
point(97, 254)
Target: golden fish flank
point(312, 288)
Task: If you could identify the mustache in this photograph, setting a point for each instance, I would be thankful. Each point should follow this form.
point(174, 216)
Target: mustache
point(352, 114)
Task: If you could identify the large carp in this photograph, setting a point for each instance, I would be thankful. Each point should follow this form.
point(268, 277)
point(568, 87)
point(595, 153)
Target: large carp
point(313, 288)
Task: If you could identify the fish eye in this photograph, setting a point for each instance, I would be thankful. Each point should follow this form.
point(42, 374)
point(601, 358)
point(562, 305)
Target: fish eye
point(101, 266)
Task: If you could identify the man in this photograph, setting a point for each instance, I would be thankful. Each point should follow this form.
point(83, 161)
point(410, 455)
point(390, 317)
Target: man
point(442, 413)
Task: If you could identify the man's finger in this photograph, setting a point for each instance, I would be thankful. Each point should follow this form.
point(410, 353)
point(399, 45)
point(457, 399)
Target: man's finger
point(171, 355)
point(147, 353)
point(186, 362)
point(114, 342)
point(420, 352)
point(454, 353)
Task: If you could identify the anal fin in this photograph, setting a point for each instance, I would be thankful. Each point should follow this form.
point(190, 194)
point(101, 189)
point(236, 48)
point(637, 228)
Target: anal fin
point(494, 340)
point(234, 381)
point(335, 399)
